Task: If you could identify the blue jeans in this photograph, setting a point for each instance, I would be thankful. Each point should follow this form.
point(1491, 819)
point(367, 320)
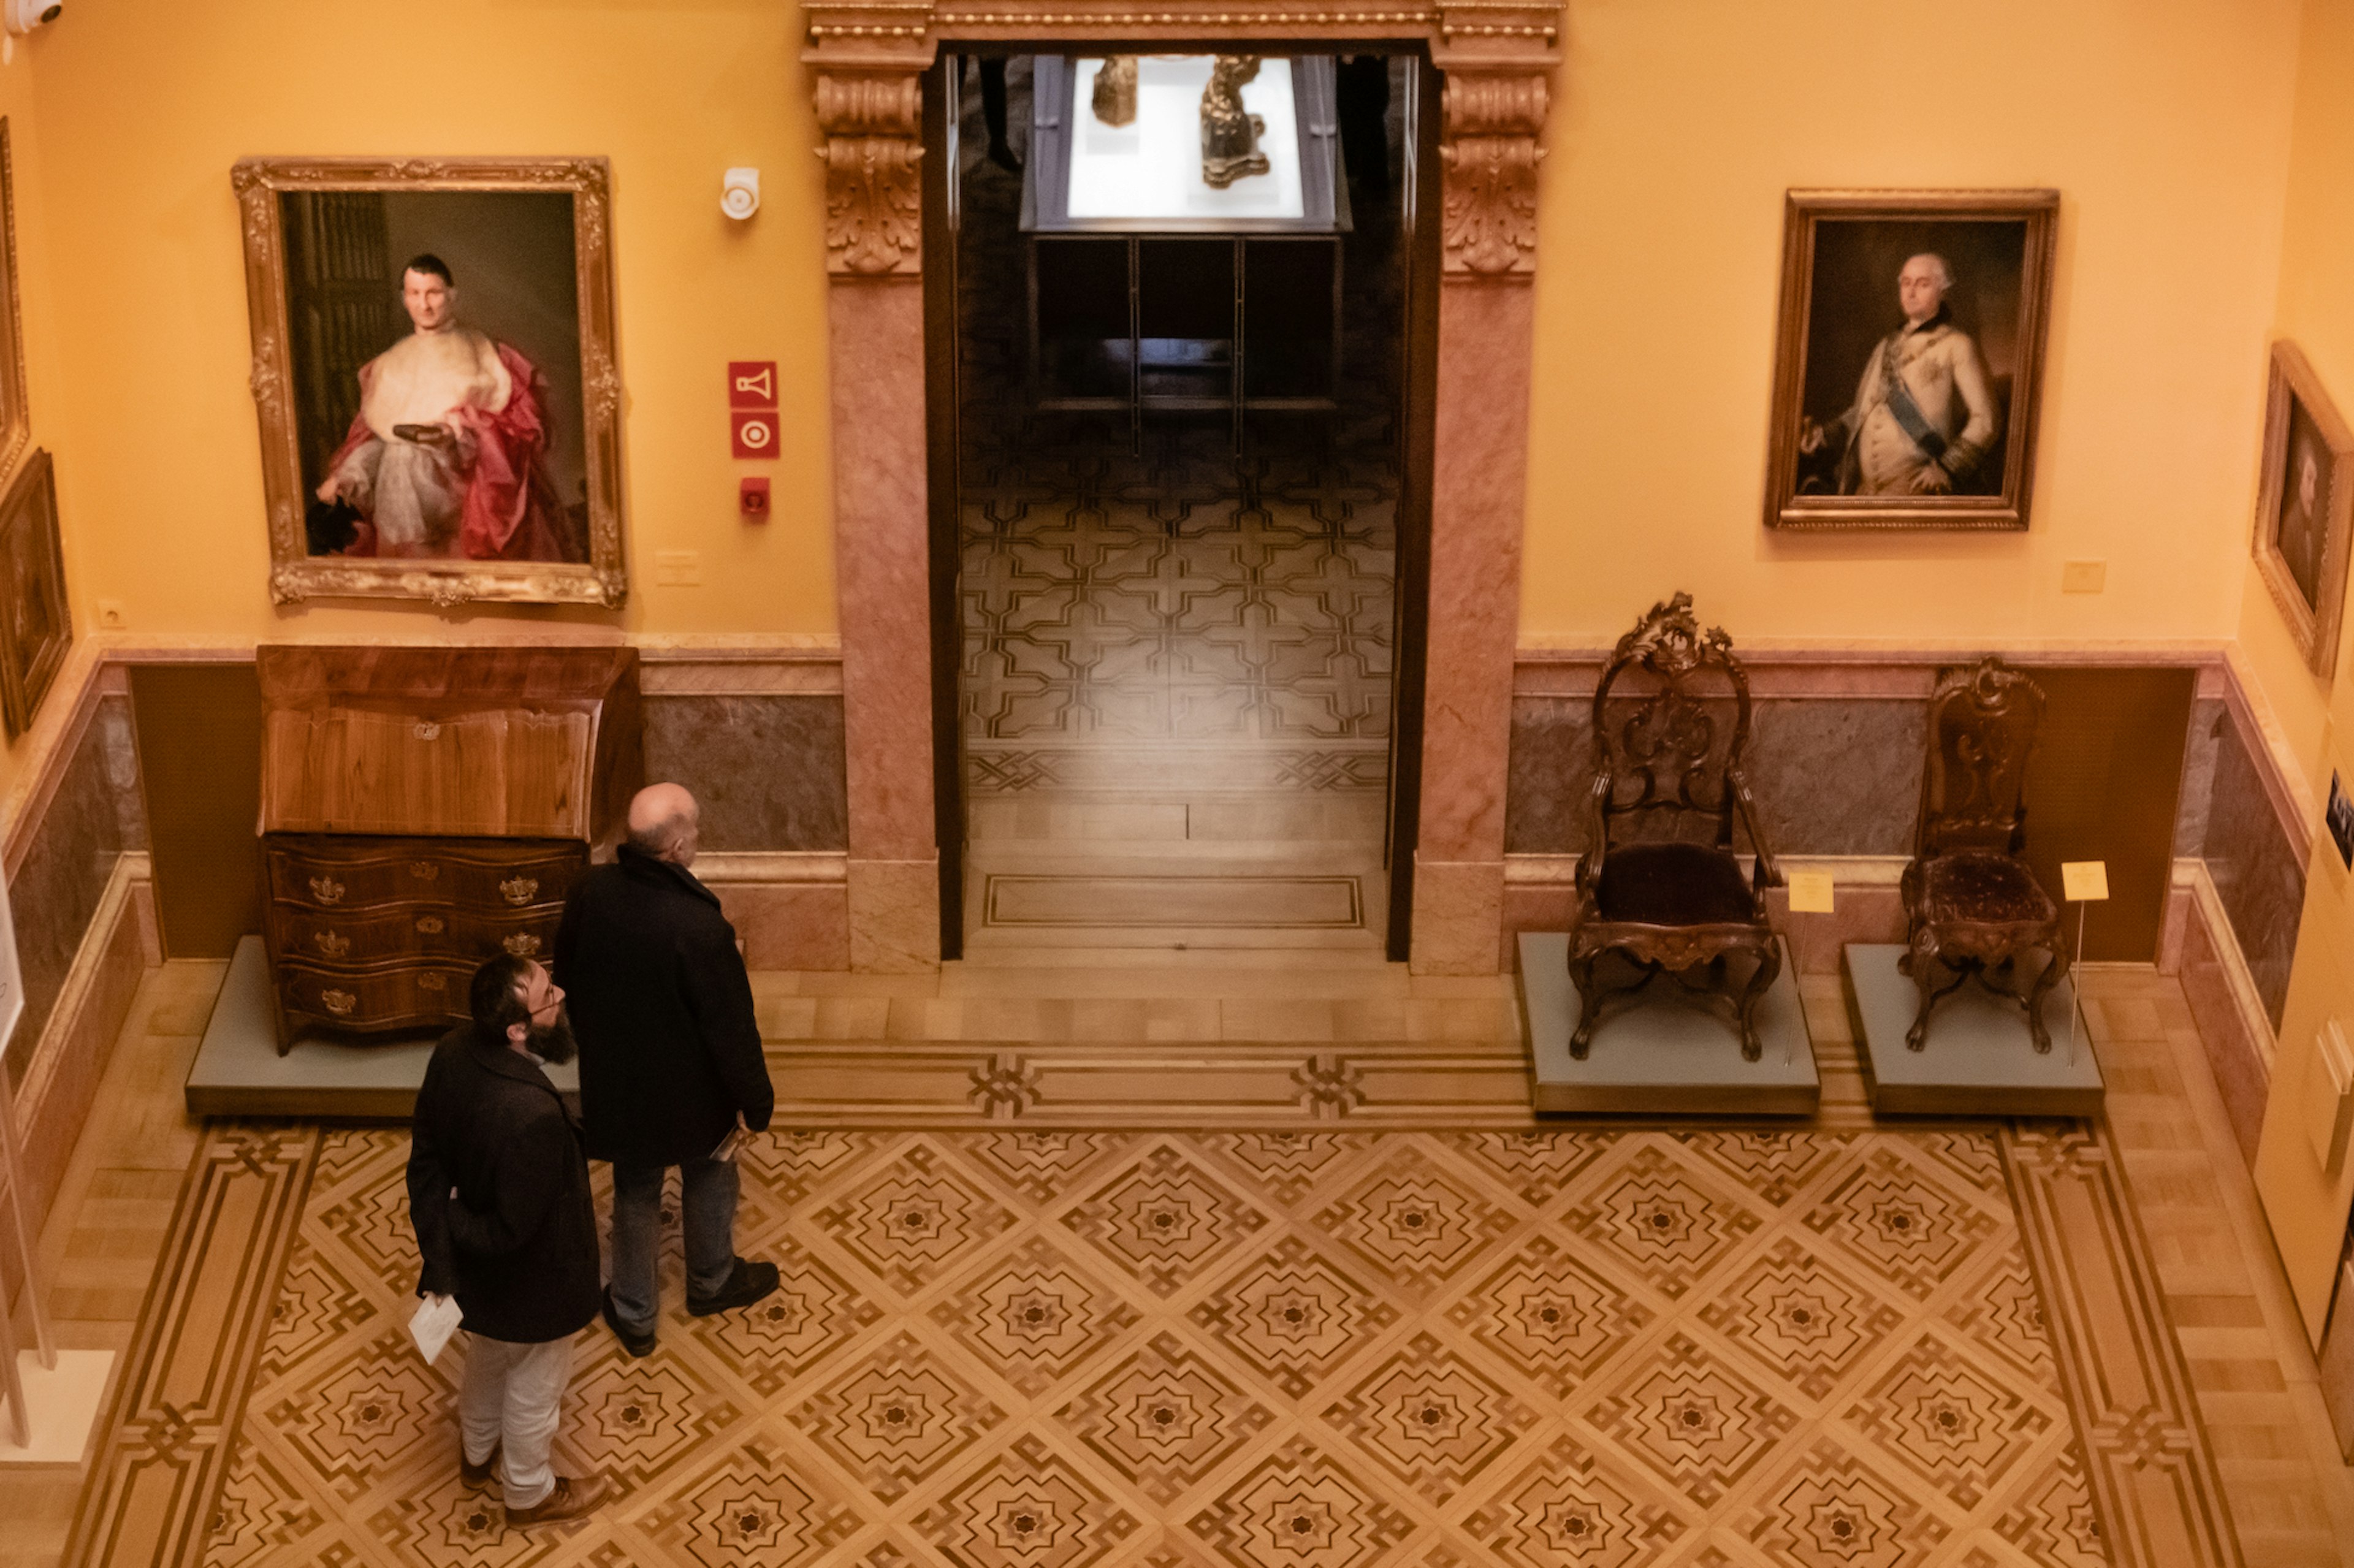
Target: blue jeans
point(707, 1226)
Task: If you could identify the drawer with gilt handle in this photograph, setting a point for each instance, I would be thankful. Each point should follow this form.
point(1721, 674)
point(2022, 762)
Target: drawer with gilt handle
point(397, 997)
point(364, 937)
point(323, 872)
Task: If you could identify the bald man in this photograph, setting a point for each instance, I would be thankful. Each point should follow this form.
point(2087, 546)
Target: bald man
point(671, 1069)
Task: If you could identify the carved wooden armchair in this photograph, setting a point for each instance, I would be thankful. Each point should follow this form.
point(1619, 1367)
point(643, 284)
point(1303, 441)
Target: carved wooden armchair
point(1971, 904)
point(1660, 886)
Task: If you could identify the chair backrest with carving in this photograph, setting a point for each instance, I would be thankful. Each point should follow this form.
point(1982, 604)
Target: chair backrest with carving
point(1982, 724)
point(1663, 743)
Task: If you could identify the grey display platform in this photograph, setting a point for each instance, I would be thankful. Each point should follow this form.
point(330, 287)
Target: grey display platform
point(1978, 1059)
point(1666, 1054)
point(238, 1071)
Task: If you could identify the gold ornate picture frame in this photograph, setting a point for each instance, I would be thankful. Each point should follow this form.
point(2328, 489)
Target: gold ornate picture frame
point(36, 624)
point(513, 495)
point(2305, 507)
point(16, 416)
point(1908, 367)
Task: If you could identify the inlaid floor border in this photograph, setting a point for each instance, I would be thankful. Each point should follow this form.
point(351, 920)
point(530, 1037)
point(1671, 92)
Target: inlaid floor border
point(156, 1482)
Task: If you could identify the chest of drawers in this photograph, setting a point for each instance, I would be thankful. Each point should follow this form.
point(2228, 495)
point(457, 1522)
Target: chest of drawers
point(425, 810)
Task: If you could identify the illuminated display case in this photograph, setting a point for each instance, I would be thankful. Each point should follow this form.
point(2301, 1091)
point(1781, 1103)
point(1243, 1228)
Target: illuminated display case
point(1152, 289)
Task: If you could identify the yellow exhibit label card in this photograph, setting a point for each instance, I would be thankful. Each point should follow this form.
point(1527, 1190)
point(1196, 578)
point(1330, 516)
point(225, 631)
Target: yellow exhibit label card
point(2084, 881)
point(1810, 892)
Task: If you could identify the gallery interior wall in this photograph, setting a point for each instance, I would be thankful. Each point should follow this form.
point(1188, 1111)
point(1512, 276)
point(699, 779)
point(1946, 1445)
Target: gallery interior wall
point(1679, 128)
point(146, 104)
point(2305, 1201)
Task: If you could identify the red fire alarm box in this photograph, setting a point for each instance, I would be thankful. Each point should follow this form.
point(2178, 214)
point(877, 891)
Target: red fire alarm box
point(752, 498)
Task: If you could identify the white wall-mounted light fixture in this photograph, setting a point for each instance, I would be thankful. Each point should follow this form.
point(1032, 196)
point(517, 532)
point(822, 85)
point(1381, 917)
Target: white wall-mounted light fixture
point(739, 189)
point(21, 17)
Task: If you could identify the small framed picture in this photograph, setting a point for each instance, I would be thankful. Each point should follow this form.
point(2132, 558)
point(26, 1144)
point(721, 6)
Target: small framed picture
point(36, 629)
point(2341, 820)
point(1909, 358)
point(2303, 506)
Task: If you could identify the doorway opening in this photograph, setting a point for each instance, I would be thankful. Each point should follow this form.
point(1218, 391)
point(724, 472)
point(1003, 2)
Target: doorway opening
point(1179, 497)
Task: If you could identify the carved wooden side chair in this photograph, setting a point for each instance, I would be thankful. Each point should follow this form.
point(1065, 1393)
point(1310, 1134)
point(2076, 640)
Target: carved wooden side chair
point(1972, 906)
point(1660, 884)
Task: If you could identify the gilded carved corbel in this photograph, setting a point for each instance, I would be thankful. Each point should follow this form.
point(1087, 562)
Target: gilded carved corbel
point(874, 182)
point(1488, 149)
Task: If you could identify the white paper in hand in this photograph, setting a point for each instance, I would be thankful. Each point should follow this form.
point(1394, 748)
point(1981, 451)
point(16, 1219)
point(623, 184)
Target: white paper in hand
point(436, 1320)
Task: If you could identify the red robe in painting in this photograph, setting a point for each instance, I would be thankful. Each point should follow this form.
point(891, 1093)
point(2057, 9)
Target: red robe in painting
point(510, 511)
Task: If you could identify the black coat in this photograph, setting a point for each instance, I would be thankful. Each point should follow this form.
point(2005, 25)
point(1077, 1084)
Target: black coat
point(517, 1246)
point(670, 1050)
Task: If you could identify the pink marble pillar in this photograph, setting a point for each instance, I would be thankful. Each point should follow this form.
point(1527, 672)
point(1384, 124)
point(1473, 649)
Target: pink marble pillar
point(1478, 485)
point(876, 336)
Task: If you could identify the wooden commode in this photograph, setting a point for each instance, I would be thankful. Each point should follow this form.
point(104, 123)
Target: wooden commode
point(426, 809)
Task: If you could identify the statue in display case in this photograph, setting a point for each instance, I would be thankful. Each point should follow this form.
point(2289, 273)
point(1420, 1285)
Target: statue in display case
point(1115, 94)
point(1230, 133)
point(1972, 905)
point(1660, 889)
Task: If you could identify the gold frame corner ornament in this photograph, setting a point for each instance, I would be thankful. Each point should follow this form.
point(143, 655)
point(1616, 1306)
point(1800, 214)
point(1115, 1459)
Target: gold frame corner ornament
point(2313, 627)
point(1803, 211)
point(296, 574)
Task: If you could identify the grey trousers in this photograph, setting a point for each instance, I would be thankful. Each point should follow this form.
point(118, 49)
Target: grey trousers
point(707, 1191)
point(509, 1402)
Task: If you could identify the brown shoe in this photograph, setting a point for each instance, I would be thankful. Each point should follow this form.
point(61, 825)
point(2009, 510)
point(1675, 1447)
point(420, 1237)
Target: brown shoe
point(479, 1477)
point(570, 1500)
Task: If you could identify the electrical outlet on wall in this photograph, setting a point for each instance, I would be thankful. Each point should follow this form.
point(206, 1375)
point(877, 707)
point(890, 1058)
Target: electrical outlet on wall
point(110, 615)
point(678, 568)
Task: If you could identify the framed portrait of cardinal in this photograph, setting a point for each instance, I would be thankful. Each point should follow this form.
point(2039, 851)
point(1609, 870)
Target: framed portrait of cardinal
point(433, 370)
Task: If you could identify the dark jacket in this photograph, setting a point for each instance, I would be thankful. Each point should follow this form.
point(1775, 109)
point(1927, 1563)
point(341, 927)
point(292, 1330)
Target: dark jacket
point(670, 1050)
point(517, 1246)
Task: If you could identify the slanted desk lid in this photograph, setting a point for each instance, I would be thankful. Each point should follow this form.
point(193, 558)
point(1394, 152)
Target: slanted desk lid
point(475, 741)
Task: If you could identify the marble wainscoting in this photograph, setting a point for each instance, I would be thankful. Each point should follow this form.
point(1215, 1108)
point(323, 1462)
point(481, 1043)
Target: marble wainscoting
point(80, 896)
point(757, 734)
point(2258, 866)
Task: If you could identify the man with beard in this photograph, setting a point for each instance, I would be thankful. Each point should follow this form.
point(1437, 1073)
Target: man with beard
point(498, 1191)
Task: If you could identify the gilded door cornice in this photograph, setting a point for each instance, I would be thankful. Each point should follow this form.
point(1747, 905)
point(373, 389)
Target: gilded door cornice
point(865, 56)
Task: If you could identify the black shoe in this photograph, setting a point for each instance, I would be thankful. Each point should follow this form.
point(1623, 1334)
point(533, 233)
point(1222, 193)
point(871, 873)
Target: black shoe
point(637, 1344)
point(747, 1283)
point(1002, 157)
point(480, 1478)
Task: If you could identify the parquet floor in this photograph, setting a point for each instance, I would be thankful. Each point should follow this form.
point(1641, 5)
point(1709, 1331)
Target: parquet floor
point(1056, 1349)
point(1304, 1345)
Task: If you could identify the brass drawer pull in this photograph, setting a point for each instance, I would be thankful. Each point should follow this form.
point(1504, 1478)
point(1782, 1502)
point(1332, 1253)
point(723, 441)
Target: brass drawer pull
point(339, 1002)
point(522, 946)
point(424, 870)
point(520, 889)
point(430, 924)
point(326, 890)
point(427, 730)
point(334, 946)
point(433, 980)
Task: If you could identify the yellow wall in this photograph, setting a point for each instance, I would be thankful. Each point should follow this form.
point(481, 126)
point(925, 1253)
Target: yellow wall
point(2305, 1202)
point(35, 296)
point(1679, 127)
point(144, 106)
point(2315, 311)
point(2308, 1205)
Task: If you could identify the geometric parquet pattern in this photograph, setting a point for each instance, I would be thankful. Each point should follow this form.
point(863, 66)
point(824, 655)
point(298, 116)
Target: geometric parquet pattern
point(1249, 1350)
point(1154, 609)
